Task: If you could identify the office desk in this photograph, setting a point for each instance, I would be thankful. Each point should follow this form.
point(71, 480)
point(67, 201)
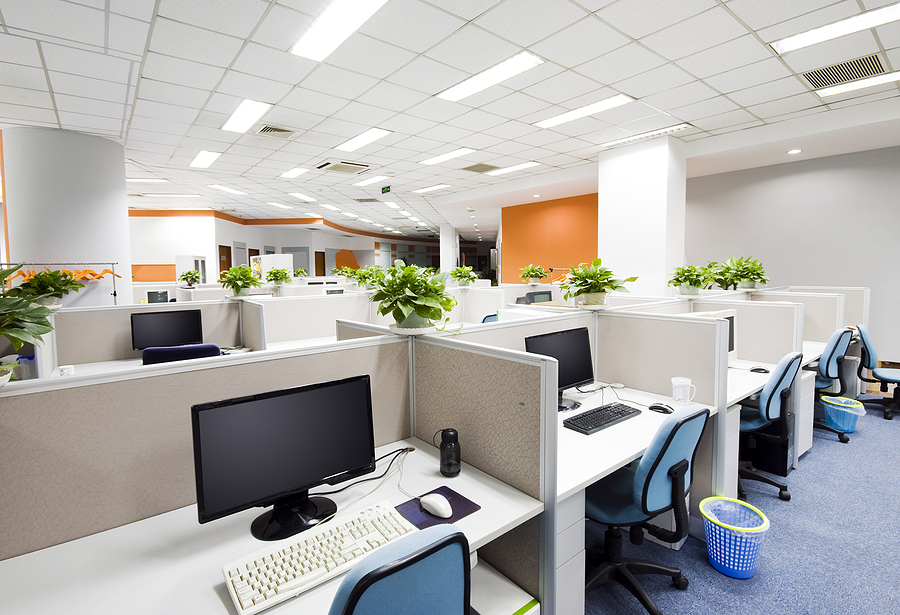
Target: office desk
point(171, 564)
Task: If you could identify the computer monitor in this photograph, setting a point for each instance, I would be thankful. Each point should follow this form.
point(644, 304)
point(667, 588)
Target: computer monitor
point(334, 291)
point(157, 296)
point(270, 449)
point(539, 296)
point(169, 328)
point(572, 348)
point(731, 317)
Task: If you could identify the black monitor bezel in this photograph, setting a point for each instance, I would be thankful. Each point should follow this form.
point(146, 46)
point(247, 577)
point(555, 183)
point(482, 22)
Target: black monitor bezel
point(198, 312)
point(584, 382)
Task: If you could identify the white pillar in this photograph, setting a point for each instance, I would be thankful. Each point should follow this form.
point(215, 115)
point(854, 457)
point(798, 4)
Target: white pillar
point(66, 203)
point(641, 200)
point(449, 248)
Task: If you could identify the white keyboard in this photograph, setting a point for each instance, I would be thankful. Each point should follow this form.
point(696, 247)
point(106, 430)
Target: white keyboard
point(294, 565)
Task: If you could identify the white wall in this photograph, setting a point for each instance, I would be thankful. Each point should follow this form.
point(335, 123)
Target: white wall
point(160, 240)
point(828, 221)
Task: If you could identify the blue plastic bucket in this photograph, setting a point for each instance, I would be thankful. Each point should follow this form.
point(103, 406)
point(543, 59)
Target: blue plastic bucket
point(734, 532)
point(842, 413)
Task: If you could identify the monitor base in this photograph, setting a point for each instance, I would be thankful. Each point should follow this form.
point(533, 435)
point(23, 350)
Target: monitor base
point(567, 404)
point(293, 517)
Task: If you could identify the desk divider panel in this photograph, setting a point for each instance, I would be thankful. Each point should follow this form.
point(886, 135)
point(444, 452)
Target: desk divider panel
point(479, 302)
point(84, 458)
point(253, 325)
point(764, 331)
point(351, 330)
point(511, 334)
point(672, 306)
point(823, 314)
point(299, 318)
point(856, 301)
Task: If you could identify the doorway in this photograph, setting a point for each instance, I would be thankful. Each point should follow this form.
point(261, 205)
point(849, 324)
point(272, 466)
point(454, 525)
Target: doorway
point(251, 252)
point(320, 263)
point(224, 259)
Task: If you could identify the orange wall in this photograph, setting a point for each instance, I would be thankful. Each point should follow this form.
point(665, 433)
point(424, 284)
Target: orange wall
point(346, 258)
point(558, 233)
point(153, 273)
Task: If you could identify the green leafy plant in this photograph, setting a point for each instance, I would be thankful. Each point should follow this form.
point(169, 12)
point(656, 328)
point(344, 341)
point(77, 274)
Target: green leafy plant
point(336, 271)
point(47, 283)
point(21, 320)
point(463, 274)
point(533, 271)
point(691, 276)
point(730, 273)
point(300, 272)
point(347, 272)
point(368, 276)
point(278, 276)
point(191, 276)
point(592, 278)
point(409, 289)
point(239, 278)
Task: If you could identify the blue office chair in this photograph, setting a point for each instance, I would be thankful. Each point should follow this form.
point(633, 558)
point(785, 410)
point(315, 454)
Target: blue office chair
point(423, 572)
point(883, 376)
point(771, 407)
point(165, 354)
point(633, 495)
point(828, 369)
point(490, 317)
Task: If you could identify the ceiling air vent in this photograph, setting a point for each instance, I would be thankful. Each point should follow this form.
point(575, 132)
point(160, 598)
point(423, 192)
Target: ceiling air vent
point(312, 228)
point(844, 72)
point(480, 168)
point(367, 200)
point(275, 131)
point(342, 166)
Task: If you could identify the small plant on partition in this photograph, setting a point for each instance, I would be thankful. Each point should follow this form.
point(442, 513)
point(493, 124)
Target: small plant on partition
point(533, 272)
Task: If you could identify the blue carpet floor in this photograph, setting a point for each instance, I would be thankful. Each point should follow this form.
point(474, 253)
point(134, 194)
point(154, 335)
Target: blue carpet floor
point(833, 549)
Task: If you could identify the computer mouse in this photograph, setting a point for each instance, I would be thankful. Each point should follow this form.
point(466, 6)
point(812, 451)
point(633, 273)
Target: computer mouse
point(437, 505)
point(759, 369)
point(663, 408)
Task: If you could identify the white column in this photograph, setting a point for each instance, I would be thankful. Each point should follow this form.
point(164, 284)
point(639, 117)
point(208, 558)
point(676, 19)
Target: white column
point(449, 248)
point(641, 200)
point(66, 203)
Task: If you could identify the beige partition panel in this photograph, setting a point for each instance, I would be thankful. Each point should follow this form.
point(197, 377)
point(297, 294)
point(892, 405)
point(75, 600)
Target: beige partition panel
point(92, 335)
point(83, 459)
point(300, 318)
point(350, 330)
point(511, 334)
point(253, 325)
point(856, 301)
point(764, 331)
point(823, 314)
point(479, 302)
point(676, 306)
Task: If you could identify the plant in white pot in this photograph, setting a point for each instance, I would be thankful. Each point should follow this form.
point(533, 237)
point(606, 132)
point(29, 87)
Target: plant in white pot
point(463, 275)
point(239, 280)
point(278, 276)
point(368, 277)
point(689, 279)
point(300, 272)
point(593, 281)
point(533, 274)
point(414, 297)
point(190, 277)
point(738, 273)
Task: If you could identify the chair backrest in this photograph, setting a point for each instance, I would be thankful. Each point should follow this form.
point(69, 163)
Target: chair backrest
point(490, 318)
point(868, 358)
point(423, 572)
point(835, 349)
point(165, 354)
point(781, 379)
point(675, 440)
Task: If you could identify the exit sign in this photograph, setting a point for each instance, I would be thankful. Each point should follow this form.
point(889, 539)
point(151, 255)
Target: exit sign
point(385, 189)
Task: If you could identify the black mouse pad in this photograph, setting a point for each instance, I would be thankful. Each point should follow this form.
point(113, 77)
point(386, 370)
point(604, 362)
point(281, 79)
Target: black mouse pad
point(462, 507)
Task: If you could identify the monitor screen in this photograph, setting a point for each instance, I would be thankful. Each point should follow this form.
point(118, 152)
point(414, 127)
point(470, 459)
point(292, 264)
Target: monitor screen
point(271, 448)
point(540, 296)
point(334, 291)
point(169, 328)
point(572, 348)
point(157, 296)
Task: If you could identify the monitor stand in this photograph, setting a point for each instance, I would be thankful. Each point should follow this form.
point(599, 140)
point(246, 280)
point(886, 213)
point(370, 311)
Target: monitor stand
point(567, 404)
point(291, 516)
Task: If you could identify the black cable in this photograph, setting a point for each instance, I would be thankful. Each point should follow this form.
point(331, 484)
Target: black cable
point(395, 453)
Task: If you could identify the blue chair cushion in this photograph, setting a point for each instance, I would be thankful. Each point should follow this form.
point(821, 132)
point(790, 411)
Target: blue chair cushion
point(751, 419)
point(610, 499)
point(887, 374)
point(823, 383)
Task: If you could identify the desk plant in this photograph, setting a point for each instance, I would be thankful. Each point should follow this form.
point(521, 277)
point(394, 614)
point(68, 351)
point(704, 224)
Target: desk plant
point(6, 371)
point(413, 297)
point(278, 276)
point(533, 274)
point(738, 273)
point(369, 276)
point(239, 280)
point(300, 272)
point(47, 287)
point(593, 281)
point(191, 277)
point(690, 279)
point(21, 320)
point(463, 275)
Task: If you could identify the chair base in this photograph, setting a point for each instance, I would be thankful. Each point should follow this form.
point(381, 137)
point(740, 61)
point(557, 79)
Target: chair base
point(747, 471)
point(891, 404)
point(820, 424)
point(613, 567)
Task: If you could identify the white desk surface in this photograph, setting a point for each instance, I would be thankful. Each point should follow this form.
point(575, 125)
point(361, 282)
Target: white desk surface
point(743, 383)
point(171, 564)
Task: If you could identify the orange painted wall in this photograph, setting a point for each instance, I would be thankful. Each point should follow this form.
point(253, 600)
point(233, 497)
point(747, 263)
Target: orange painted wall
point(153, 273)
point(346, 258)
point(558, 233)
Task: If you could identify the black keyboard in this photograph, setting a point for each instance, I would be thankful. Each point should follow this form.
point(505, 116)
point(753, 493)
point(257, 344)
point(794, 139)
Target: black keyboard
point(596, 419)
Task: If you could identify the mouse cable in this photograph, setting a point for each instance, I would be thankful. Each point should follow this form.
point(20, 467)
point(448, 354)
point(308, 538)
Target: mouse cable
point(396, 454)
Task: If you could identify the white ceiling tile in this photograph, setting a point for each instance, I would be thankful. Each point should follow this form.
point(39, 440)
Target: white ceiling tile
point(370, 56)
point(74, 121)
point(620, 64)
point(232, 17)
point(418, 144)
point(831, 52)
point(144, 123)
point(680, 96)
point(782, 88)
point(165, 112)
point(289, 118)
point(654, 80)
point(508, 148)
point(526, 22)
point(467, 9)
point(210, 138)
point(26, 96)
point(181, 72)
point(313, 102)
point(626, 113)
point(363, 114)
point(312, 137)
point(565, 146)
point(476, 120)
point(427, 75)
point(174, 94)
point(515, 105)
point(562, 87)
point(762, 13)
point(774, 108)
point(57, 19)
point(580, 42)
point(446, 134)
point(299, 148)
point(893, 56)
point(700, 32)
point(273, 64)
point(867, 97)
point(18, 50)
point(723, 120)
point(253, 87)
point(541, 138)
point(583, 126)
point(20, 76)
point(136, 9)
point(889, 35)
point(26, 113)
point(128, 35)
point(192, 43)
point(808, 21)
point(472, 49)
point(407, 124)
point(794, 114)
point(638, 18)
point(706, 108)
point(135, 145)
point(391, 96)
point(540, 73)
point(282, 27)
point(747, 76)
point(149, 136)
point(338, 82)
point(480, 140)
point(411, 24)
point(89, 64)
point(722, 131)
point(727, 56)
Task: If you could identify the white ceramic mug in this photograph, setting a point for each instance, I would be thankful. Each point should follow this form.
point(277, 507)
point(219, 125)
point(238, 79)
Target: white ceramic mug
point(682, 389)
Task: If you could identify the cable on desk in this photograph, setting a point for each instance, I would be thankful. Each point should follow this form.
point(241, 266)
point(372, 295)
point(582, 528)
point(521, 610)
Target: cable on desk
point(395, 453)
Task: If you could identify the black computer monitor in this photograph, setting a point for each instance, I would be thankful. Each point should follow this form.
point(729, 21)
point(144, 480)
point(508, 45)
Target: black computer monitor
point(270, 449)
point(539, 296)
point(572, 348)
point(157, 296)
point(169, 328)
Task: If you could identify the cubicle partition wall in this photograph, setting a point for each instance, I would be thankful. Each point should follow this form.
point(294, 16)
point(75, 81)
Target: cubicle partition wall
point(479, 302)
point(253, 325)
point(290, 319)
point(82, 455)
point(764, 331)
point(351, 330)
point(856, 301)
point(670, 306)
point(511, 333)
point(823, 313)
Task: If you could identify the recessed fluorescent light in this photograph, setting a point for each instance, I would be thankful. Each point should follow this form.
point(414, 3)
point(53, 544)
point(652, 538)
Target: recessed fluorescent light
point(387, 228)
point(858, 85)
point(518, 167)
point(181, 196)
point(280, 205)
point(501, 72)
point(331, 207)
point(371, 180)
point(204, 159)
point(302, 197)
point(794, 151)
point(312, 215)
point(376, 224)
point(225, 189)
point(403, 212)
point(296, 171)
point(448, 156)
point(430, 188)
point(857, 23)
point(246, 115)
point(646, 135)
point(397, 232)
point(147, 180)
point(333, 26)
point(414, 219)
point(535, 195)
point(349, 215)
point(372, 134)
point(365, 220)
point(391, 204)
point(576, 114)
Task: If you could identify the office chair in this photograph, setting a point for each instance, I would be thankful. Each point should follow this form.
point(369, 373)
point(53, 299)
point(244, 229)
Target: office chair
point(772, 406)
point(883, 376)
point(165, 354)
point(423, 572)
point(828, 369)
point(634, 494)
point(490, 317)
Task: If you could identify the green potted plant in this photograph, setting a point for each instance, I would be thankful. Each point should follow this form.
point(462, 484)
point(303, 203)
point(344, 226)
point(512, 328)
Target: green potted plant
point(240, 280)
point(689, 279)
point(300, 272)
point(191, 277)
point(463, 275)
point(278, 276)
point(532, 274)
point(368, 276)
point(6, 370)
point(593, 281)
point(738, 273)
point(413, 297)
point(21, 320)
point(47, 287)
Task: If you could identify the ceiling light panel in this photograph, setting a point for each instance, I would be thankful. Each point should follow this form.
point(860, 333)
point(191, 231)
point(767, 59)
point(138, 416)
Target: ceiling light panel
point(373, 134)
point(333, 26)
point(371, 180)
point(858, 85)
point(576, 114)
point(645, 135)
point(431, 188)
point(857, 23)
point(302, 197)
point(448, 156)
point(331, 207)
point(204, 159)
point(225, 189)
point(496, 74)
point(518, 167)
point(295, 172)
point(246, 115)
point(280, 205)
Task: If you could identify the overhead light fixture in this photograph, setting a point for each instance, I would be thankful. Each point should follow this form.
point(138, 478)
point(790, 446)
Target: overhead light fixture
point(181, 196)
point(518, 167)
point(372, 134)
point(331, 207)
point(295, 172)
point(646, 135)
point(204, 159)
point(302, 197)
point(280, 205)
point(365, 220)
point(147, 180)
point(311, 214)
point(431, 188)
point(349, 215)
point(333, 26)
point(371, 180)
point(403, 212)
point(414, 219)
point(225, 189)
point(397, 232)
point(535, 195)
point(576, 114)
point(246, 115)
point(794, 151)
point(448, 156)
point(519, 63)
point(391, 204)
point(387, 228)
point(473, 217)
point(859, 85)
point(850, 25)
point(377, 224)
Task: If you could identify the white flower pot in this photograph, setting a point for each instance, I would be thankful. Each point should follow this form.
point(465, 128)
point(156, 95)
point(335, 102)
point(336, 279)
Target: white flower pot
point(594, 298)
point(688, 290)
point(463, 282)
point(534, 280)
point(5, 378)
point(746, 284)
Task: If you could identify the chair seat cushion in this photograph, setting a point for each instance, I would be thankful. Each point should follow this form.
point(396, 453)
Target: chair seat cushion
point(887, 374)
point(823, 383)
point(751, 419)
point(610, 500)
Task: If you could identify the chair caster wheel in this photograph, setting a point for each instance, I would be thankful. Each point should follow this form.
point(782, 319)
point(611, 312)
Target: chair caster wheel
point(785, 495)
point(888, 415)
point(680, 582)
point(843, 438)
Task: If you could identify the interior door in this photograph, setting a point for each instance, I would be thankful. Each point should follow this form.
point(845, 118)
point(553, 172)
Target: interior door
point(224, 259)
point(320, 263)
point(251, 252)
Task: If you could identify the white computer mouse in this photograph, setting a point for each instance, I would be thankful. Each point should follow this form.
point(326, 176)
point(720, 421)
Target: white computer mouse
point(437, 505)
